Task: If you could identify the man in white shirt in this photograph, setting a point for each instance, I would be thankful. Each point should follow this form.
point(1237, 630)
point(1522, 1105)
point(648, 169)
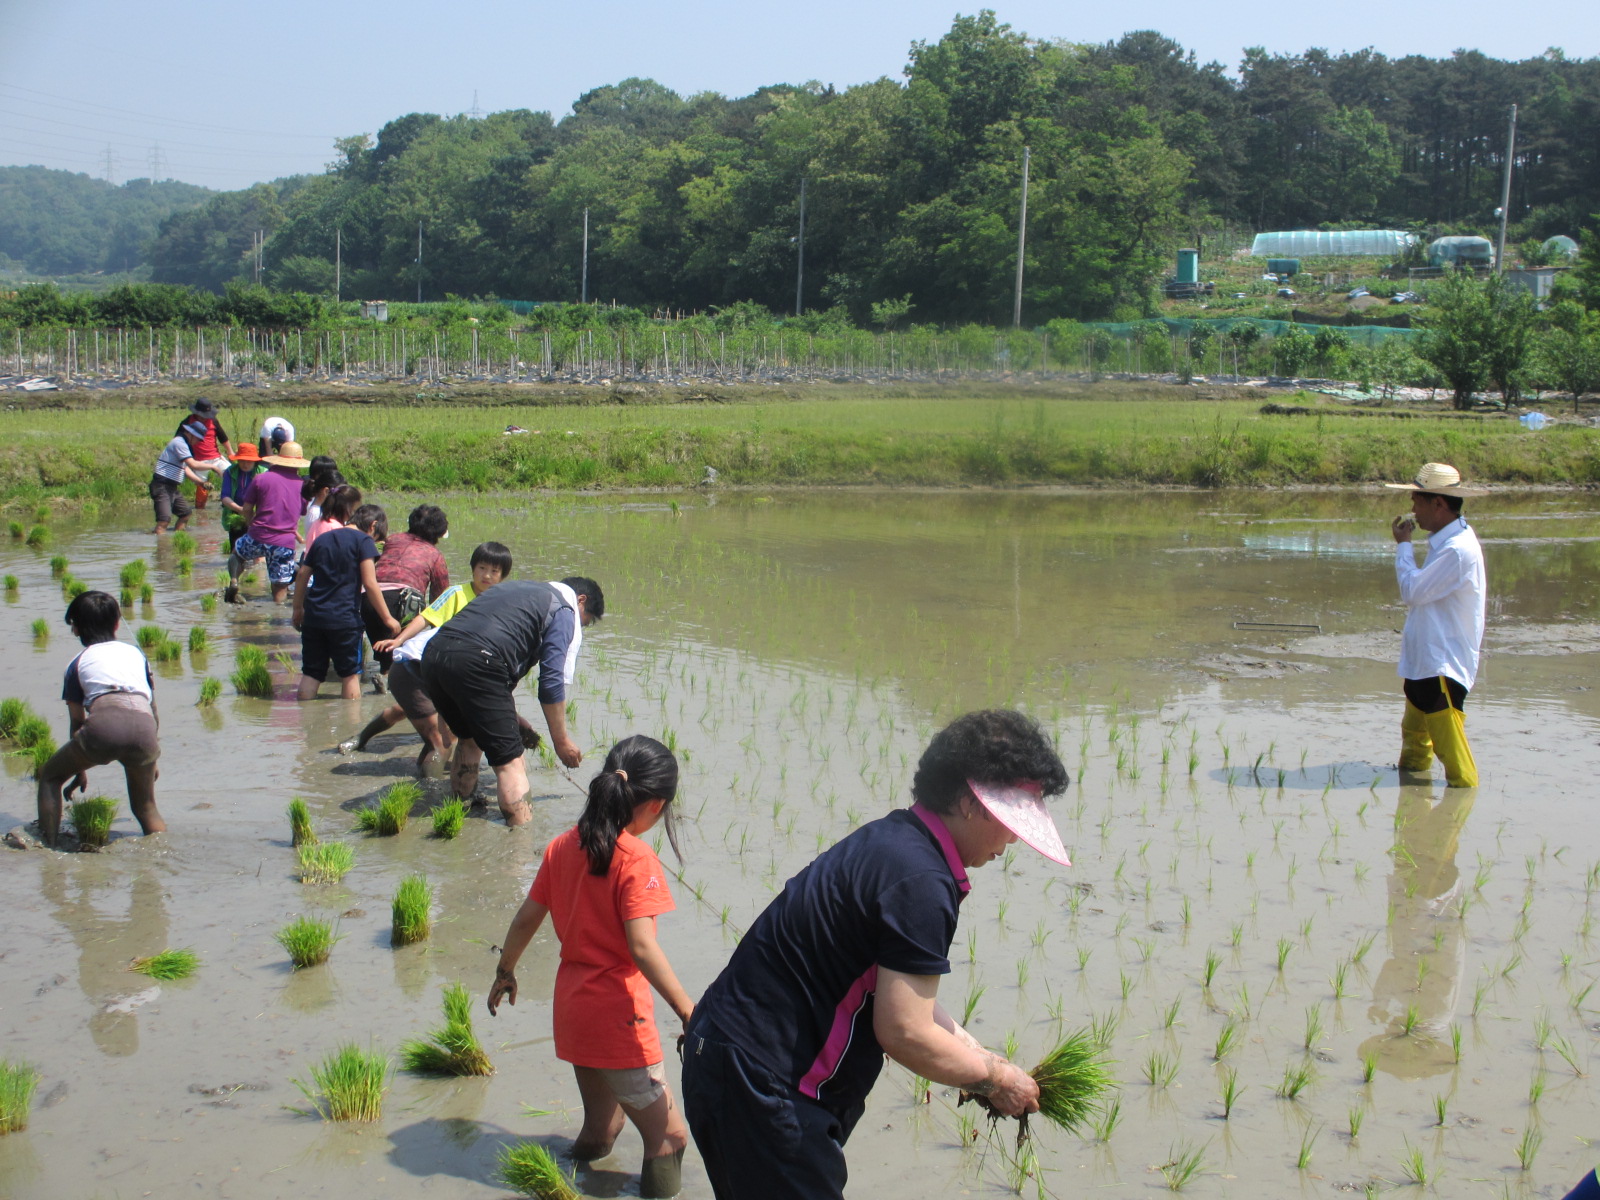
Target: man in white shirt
point(1439, 647)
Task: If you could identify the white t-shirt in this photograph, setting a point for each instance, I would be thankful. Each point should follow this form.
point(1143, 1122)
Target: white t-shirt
point(272, 423)
point(107, 667)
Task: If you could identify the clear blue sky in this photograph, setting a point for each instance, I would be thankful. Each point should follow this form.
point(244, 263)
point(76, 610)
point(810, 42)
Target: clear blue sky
point(234, 93)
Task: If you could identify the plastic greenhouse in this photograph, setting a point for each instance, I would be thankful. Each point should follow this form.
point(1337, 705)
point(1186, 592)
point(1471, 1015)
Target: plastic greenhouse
point(1350, 243)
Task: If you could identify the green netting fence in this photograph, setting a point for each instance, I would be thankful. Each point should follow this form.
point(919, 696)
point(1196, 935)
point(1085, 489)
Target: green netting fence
point(1183, 327)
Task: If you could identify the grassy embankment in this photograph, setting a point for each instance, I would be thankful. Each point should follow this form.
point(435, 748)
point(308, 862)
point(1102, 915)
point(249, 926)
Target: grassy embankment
point(101, 446)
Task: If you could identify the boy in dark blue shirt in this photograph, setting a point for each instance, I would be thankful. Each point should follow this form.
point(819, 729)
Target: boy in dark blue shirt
point(843, 968)
point(327, 599)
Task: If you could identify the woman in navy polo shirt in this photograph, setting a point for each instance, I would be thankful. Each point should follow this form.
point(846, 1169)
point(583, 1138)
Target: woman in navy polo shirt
point(843, 968)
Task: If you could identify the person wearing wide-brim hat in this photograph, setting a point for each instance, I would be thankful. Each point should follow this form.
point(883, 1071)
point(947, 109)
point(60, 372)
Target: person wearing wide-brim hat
point(271, 507)
point(1443, 635)
point(843, 968)
point(247, 464)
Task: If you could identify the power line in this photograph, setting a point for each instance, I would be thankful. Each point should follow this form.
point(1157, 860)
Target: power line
point(109, 158)
point(158, 163)
point(71, 103)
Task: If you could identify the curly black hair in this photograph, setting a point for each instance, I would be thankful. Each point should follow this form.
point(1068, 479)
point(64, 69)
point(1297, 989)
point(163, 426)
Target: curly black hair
point(996, 745)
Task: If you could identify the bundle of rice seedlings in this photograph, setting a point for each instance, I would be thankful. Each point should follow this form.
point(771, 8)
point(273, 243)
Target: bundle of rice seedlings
point(197, 639)
point(168, 965)
point(300, 824)
point(126, 598)
point(42, 750)
point(250, 676)
point(185, 566)
point(167, 651)
point(325, 862)
point(448, 818)
point(92, 819)
point(150, 635)
point(389, 816)
point(41, 629)
point(208, 603)
point(1073, 1078)
point(38, 537)
point(452, 1049)
point(31, 730)
point(307, 941)
point(210, 689)
point(147, 592)
point(73, 588)
point(15, 529)
point(58, 565)
point(12, 710)
point(411, 920)
point(12, 583)
point(183, 542)
point(527, 1169)
point(17, 1082)
point(132, 574)
point(349, 1084)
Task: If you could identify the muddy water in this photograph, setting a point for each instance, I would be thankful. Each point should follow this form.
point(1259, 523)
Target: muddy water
point(1233, 798)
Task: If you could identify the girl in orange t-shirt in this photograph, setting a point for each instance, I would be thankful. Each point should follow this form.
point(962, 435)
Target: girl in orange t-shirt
point(603, 888)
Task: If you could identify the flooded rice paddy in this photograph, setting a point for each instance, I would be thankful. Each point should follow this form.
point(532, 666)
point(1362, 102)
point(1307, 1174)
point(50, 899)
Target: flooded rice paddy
point(1257, 906)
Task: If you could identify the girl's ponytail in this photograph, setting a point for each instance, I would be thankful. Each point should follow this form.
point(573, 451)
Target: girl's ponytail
point(638, 769)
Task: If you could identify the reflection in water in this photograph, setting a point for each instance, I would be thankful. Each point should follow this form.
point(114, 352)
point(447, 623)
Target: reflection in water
point(310, 990)
point(106, 945)
point(1420, 983)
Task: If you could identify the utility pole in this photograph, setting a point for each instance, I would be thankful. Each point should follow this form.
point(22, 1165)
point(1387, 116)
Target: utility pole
point(1022, 241)
point(583, 293)
point(419, 262)
point(800, 255)
point(338, 262)
point(1505, 194)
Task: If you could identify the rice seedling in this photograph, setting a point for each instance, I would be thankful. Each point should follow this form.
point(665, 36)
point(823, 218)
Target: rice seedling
point(41, 630)
point(1227, 1039)
point(1414, 1166)
point(41, 753)
point(1541, 1031)
point(31, 730)
point(1284, 946)
point(1308, 1139)
point(1455, 1043)
point(1213, 961)
point(168, 651)
point(58, 565)
point(389, 816)
point(1362, 947)
point(300, 831)
point(1109, 1119)
point(325, 862)
point(250, 676)
point(210, 689)
point(410, 913)
point(183, 543)
point(348, 1085)
point(38, 537)
point(197, 639)
point(1358, 1114)
point(132, 573)
point(1369, 1066)
point(1296, 1078)
point(1231, 1091)
point(1528, 1147)
point(1160, 1069)
point(1441, 1108)
point(147, 593)
point(184, 567)
point(1410, 1021)
point(1535, 1089)
point(452, 1049)
point(1073, 1079)
point(167, 965)
point(126, 598)
point(92, 819)
point(15, 529)
point(975, 993)
point(1185, 1163)
point(307, 941)
point(1171, 1017)
point(17, 1083)
point(1314, 1027)
point(12, 711)
point(527, 1169)
point(149, 636)
point(12, 583)
point(208, 603)
point(1565, 1049)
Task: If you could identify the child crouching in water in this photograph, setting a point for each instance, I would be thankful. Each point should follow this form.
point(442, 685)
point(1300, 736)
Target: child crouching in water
point(603, 888)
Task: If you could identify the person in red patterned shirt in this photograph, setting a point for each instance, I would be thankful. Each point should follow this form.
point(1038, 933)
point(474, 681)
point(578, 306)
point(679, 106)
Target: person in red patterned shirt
point(411, 573)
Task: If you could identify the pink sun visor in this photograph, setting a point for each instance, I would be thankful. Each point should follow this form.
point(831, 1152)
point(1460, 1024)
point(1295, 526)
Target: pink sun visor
point(1020, 808)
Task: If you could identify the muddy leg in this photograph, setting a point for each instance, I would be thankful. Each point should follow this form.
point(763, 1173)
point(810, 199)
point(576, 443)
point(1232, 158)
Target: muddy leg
point(664, 1134)
point(511, 785)
point(602, 1116)
point(230, 594)
point(142, 798)
point(50, 805)
point(464, 770)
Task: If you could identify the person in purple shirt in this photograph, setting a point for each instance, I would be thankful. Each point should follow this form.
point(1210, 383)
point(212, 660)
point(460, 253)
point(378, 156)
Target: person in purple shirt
point(271, 507)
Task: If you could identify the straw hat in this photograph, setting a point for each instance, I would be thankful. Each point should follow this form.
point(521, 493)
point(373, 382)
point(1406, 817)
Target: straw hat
point(288, 455)
point(247, 454)
point(1439, 479)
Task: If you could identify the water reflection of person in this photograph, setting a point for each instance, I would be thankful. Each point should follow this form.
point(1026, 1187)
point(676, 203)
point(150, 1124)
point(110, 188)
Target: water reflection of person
point(1422, 889)
point(107, 944)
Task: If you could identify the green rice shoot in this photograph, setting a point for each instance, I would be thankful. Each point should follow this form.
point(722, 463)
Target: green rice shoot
point(167, 651)
point(411, 911)
point(132, 574)
point(126, 598)
point(15, 528)
point(325, 862)
point(150, 635)
point(58, 565)
point(38, 537)
point(300, 824)
point(210, 689)
point(168, 965)
point(453, 1048)
point(31, 730)
point(17, 1083)
point(197, 639)
point(185, 566)
point(92, 819)
point(12, 710)
point(528, 1169)
point(307, 941)
point(250, 676)
point(389, 816)
point(12, 583)
point(349, 1084)
point(208, 603)
point(73, 588)
point(1073, 1080)
point(183, 542)
point(41, 752)
point(147, 592)
point(41, 630)
point(449, 817)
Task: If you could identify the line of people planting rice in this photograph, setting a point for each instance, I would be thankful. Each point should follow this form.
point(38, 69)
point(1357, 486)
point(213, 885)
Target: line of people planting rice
point(841, 970)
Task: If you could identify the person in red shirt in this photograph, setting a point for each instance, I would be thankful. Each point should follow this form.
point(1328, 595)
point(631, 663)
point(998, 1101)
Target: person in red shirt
point(211, 444)
point(603, 888)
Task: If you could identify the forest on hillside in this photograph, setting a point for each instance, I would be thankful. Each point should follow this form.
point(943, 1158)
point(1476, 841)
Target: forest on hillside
point(64, 223)
point(912, 185)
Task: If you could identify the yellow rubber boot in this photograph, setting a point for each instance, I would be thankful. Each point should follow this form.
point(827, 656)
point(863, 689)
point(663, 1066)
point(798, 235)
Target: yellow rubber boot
point(1416, 747)
point(1448, 729)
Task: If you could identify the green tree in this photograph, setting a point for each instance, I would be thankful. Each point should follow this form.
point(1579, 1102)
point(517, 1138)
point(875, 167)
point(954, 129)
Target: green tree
point(1477, 332)
point(1569, 359)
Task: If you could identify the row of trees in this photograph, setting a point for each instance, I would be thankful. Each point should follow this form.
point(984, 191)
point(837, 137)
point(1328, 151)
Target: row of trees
point(913, 185)
point(62, 223)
